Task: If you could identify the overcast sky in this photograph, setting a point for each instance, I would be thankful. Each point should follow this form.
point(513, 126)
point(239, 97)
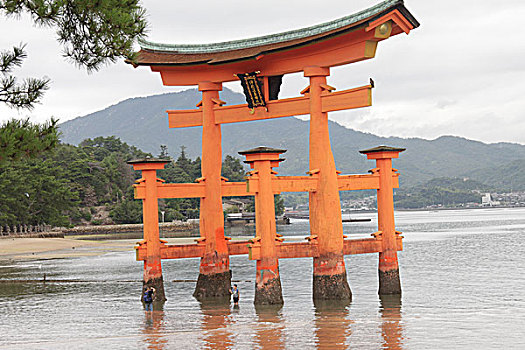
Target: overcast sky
point(462, 72)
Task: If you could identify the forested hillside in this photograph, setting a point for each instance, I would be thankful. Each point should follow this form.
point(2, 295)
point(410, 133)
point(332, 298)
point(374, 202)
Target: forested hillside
point(441, 192)
point(91, 183)
point(509, 176)
point(142, 122)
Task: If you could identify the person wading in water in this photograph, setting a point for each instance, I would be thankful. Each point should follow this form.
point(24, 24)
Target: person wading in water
point(149, 295)
point(235, 294)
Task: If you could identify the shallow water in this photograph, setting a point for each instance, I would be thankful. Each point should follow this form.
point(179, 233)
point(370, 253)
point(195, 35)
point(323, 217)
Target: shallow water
point(461, 271)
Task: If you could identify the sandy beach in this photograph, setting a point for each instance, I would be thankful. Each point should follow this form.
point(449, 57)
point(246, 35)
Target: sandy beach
point(56, 248)
point(69, 247)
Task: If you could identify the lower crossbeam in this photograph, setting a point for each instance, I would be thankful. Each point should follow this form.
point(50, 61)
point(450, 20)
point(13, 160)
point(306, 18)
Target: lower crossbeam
point(284, 250)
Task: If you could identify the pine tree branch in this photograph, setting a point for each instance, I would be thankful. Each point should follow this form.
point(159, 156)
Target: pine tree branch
point(93, 33)
point(9, 60)
point(24, 94)
point(21, 139)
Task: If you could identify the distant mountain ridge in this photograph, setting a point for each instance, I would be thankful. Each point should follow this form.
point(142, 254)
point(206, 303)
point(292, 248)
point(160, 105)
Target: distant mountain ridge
point(142, 122)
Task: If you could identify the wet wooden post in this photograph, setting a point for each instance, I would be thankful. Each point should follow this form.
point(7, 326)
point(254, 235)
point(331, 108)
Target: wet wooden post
point(214, 274)
point(150, 209)
point(268, 289)
point(329, 277)
point(389, 282)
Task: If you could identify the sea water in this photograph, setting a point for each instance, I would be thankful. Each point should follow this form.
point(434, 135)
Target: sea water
point(462, 275)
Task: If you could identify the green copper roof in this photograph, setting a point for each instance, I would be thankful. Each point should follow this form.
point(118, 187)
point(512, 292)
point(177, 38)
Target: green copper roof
point(273, 38)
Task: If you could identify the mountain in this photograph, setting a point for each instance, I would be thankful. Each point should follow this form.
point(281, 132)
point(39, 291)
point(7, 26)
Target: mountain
point(510, 176)
point(142, 122)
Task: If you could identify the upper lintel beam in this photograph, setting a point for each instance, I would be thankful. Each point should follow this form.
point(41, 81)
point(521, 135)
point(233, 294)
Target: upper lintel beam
point(334, 101)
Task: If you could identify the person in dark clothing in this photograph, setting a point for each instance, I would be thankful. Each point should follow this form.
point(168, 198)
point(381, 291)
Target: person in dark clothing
point(149, 295)
point(235, 294)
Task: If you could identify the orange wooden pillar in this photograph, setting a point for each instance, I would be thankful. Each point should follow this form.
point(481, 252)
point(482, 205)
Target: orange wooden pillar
point(214, 277)
point(329, 277)
point(389, 282)
point(268, 289)
point(150, 209)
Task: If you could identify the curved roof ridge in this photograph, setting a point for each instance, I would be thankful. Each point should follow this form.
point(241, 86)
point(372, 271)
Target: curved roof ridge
point(271, 38)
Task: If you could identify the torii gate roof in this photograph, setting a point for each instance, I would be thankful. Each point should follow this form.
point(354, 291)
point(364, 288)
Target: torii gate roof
point(320, 38)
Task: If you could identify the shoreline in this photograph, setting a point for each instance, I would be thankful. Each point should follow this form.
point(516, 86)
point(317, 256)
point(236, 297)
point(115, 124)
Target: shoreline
point(71, 246)
point(349, 212)
point(24, 249)
point(53, 248)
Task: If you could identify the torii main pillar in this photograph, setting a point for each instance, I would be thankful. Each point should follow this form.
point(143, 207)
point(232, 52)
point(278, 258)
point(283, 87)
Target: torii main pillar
point(214, 274)
point(329, 278)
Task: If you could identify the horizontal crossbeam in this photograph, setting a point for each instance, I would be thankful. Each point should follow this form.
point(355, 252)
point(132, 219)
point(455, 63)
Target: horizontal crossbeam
point(331, 101)
point(363, 182)
point(284, 250)
point(249, 188)
point(195, 250)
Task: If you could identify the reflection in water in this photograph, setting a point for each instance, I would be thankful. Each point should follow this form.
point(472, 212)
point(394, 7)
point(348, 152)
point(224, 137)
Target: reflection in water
point(270, 327)
point(391, 326)
point(332, 325)
point(154, 329)
point(215, 322)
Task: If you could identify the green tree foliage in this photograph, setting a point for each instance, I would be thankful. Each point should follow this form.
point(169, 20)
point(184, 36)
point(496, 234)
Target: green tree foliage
point(232, 169)
point(35, 192)
point(63, 186)
point(13, 93)
point(164, 152)
point(92, 33)
point(21, 139)
point(182, 170)
point(128, 211)
point(101, 147)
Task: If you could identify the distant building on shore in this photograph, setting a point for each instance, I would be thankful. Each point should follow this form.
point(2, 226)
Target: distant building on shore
point(486, 201)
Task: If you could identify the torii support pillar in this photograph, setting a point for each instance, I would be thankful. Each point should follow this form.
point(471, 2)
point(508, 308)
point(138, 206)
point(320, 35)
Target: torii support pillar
point(329, 278)
point(389, 282)
point(268, 289)
point(214, 273)
point(150, 209)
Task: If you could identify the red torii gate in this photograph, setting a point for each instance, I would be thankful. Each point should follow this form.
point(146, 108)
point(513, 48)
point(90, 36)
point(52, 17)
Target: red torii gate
point(313, 51)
